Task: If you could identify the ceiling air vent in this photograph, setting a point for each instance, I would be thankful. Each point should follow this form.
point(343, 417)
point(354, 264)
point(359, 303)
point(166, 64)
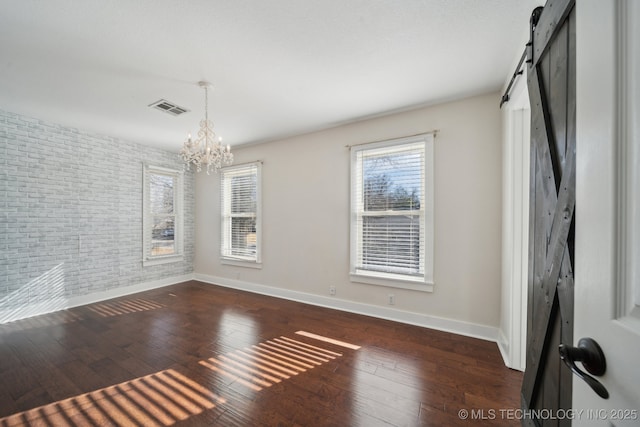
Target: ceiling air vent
point(168, 107)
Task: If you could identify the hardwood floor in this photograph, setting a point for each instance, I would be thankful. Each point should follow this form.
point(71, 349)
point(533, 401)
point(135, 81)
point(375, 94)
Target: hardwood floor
point(197, 354)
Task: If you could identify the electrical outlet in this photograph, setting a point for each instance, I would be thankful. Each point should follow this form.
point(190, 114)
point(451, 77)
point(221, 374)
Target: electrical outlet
point(392, 299)
point(332, 290)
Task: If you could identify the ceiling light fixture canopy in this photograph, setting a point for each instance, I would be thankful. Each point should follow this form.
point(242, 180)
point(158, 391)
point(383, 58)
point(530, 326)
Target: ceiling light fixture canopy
point(206, 150)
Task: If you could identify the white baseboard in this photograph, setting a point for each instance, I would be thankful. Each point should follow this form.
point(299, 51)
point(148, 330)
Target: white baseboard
point(474, 330)
point(503, 346)
point(63, 303)
point(510, 360)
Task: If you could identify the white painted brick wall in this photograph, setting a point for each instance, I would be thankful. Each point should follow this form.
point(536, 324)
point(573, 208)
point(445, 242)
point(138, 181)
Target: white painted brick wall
point(71, 212)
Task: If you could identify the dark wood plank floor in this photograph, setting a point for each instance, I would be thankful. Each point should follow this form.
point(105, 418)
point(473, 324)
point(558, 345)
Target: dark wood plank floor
point(197, 354)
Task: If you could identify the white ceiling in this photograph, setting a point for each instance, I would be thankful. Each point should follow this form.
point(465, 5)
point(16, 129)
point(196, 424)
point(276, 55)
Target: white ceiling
point(278, 67)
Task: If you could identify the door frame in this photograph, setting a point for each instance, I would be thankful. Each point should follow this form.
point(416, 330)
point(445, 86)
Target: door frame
point(609, 130)
point(516, 119)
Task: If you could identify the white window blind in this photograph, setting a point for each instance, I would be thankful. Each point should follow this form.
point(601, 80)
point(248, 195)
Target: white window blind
point(240, 192)
point(391, 208)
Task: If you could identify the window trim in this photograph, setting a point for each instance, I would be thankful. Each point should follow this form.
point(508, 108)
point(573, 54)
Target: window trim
point(237, 260)
point(426, 283)
point(178, 230)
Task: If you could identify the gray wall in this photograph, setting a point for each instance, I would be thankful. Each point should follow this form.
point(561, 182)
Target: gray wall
point(71, 212)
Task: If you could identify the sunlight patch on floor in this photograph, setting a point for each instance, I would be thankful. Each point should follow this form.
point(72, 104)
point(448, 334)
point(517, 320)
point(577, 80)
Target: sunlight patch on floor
point(328, 340)
point(273, 361)
point(43, 321)
point(160, 399)
point(116, 308)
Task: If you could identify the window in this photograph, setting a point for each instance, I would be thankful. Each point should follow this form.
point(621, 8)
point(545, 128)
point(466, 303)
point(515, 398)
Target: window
point(240, 192)
point(162, 215)
point(392, 213)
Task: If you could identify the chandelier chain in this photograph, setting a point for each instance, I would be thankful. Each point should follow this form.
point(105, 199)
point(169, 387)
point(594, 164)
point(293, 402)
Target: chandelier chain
point(206, 103)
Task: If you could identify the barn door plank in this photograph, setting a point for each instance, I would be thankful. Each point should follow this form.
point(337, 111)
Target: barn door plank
point(556, 12)
point(545, 205)
point(566, 284)
point(563, 208)
point(551, 81)
point(556, 91)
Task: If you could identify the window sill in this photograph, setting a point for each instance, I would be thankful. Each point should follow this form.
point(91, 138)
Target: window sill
point(241, 263)
point(162, 260)
point(392, 283)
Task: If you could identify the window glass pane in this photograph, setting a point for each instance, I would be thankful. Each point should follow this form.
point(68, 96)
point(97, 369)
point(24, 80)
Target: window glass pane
point(161, 205)
point(392, 180)
point(161, 193)
point(163, 235)
point(243, 237)
point(243, 193)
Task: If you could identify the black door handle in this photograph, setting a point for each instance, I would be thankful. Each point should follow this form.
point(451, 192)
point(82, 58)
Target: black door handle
point(590, 354)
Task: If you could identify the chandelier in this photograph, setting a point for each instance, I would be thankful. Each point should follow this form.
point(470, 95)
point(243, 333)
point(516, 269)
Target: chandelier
point(206, 149)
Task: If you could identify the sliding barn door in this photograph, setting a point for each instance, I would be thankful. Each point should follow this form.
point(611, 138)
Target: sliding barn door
point(551, 83)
